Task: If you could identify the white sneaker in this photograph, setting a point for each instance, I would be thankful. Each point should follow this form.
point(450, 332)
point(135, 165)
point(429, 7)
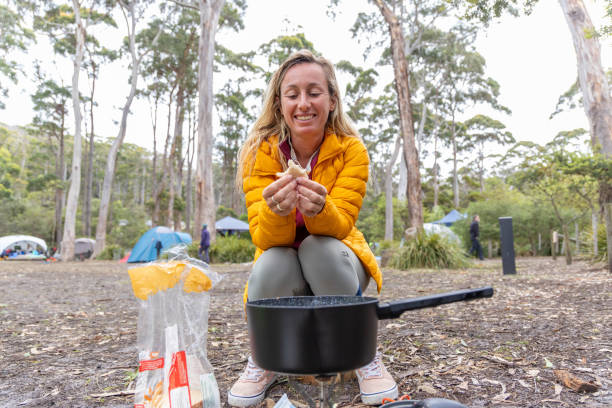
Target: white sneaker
point(375, 382)
point(251, 387)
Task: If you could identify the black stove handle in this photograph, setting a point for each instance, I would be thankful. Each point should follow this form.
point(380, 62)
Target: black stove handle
point(394, 309)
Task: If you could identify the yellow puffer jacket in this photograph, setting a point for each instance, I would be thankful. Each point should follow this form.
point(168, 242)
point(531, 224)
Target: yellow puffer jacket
point(342, 167)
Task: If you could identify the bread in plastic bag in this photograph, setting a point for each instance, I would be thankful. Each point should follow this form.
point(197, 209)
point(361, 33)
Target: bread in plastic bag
point(174, 303)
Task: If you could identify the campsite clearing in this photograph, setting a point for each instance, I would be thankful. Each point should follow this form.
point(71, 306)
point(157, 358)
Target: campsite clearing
point(68, 335)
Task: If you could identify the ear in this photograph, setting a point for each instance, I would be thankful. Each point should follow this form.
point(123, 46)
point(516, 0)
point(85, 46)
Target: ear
point(278, 105)
point(332, 105)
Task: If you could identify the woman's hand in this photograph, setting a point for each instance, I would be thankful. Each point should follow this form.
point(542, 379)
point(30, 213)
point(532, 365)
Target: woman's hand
point(310, 196)
point(281, 195)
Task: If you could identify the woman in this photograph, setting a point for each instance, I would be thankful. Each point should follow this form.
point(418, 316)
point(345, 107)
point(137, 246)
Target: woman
point(304, 227)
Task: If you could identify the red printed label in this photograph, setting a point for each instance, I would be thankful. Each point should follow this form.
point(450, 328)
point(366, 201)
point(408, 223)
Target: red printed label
point(178, 382)
point(148, 365)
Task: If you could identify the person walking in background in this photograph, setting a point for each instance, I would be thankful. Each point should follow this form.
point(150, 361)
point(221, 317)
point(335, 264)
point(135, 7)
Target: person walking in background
point(474, 235)
point(204, 244)
point(158, 248)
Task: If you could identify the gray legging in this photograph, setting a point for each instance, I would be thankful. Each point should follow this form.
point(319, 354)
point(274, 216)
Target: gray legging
point(321, 266)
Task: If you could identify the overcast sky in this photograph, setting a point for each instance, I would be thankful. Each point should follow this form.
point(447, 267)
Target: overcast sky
point(531, 57)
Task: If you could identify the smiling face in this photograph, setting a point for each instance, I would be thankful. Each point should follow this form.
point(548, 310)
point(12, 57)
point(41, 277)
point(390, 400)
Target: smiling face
point(305, 101)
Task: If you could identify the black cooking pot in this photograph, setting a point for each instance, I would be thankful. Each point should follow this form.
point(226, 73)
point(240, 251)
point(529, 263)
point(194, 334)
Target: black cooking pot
point(328, 334)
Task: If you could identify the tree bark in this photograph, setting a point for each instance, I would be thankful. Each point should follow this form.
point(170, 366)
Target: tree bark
point(595, 94)
point(402, 183)
point(59, 190)
point(455, 173)
point(210, 11)
point(402, 87)
point(389, 191)
point(594, 225)
point(68, 237)
point(89, 180)
point(109, 172)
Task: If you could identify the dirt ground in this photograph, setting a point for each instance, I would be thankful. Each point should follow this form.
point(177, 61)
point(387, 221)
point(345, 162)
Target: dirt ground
point(68, 336)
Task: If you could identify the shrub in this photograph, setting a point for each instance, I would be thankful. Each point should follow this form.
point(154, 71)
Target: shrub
point(231, 249)
point(111, 252)
point(429, 251)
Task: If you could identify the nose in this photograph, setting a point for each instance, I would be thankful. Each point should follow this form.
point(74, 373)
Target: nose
point(303, 102)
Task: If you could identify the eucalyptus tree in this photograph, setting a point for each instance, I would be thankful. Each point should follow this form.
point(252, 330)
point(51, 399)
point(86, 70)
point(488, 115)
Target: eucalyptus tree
point(402, 25)
point(234, 120)
point(132, 12)
point(60, 22)
point(94, 54)
point(378, 125)
point(280, 48)
point(541, 175)
point(483, 131)
point(597, 100)
point(465, 85)
point(14, 35)
point(213, 14)
point(50, 105)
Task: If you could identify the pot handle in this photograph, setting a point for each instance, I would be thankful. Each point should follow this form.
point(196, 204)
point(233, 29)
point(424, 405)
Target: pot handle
point(394, 309)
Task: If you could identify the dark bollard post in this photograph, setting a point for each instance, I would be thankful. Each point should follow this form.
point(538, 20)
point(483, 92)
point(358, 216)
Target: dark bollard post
point(507, 245)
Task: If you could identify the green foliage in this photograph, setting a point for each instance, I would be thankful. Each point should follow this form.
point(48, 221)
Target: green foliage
point(231, 249)
point(128, 224)
point(429, 251)
point(111, 252)
point(223, 212)
point(433, 214)
point(371, 220)
point(13, 36)
point(192, 249)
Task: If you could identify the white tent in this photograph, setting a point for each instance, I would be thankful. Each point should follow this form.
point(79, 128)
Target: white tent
point(25, 243)
point(83, 247)
point(441, 230)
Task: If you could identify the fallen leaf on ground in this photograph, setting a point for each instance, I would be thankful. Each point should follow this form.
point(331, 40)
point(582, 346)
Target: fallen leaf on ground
point(524, 384)
point(575, 383)
point(500, 397)
point(548, 364)
point(428, 388)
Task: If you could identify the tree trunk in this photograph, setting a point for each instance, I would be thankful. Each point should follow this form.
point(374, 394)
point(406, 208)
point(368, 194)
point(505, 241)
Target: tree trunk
point(595, 93)
point(59, 191)
point(161, 184)
point(435, 169)
point(402, 87)
point(402, 184)
point(175, 152)
point(189, 187)
point(567, 245)
point(594, 226)
point(109, 172)
point(68, 237)
point(389, 191)
point(577, 237)
point(89, 181)
point(205, 193)
point(455, 174)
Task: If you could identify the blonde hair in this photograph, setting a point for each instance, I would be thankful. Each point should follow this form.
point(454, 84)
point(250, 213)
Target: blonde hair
point(270, 122)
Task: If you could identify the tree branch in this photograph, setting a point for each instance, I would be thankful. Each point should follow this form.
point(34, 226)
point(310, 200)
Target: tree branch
point(186, 5)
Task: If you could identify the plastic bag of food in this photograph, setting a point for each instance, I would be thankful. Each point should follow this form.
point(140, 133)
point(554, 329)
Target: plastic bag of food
point(174, 302)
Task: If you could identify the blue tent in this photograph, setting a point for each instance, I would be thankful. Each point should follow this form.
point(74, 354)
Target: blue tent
point(230, 225)
point(145, 250)
point(450, 218)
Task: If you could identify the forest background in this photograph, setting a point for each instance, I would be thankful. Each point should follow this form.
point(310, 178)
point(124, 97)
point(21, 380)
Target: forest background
point(84, 163)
